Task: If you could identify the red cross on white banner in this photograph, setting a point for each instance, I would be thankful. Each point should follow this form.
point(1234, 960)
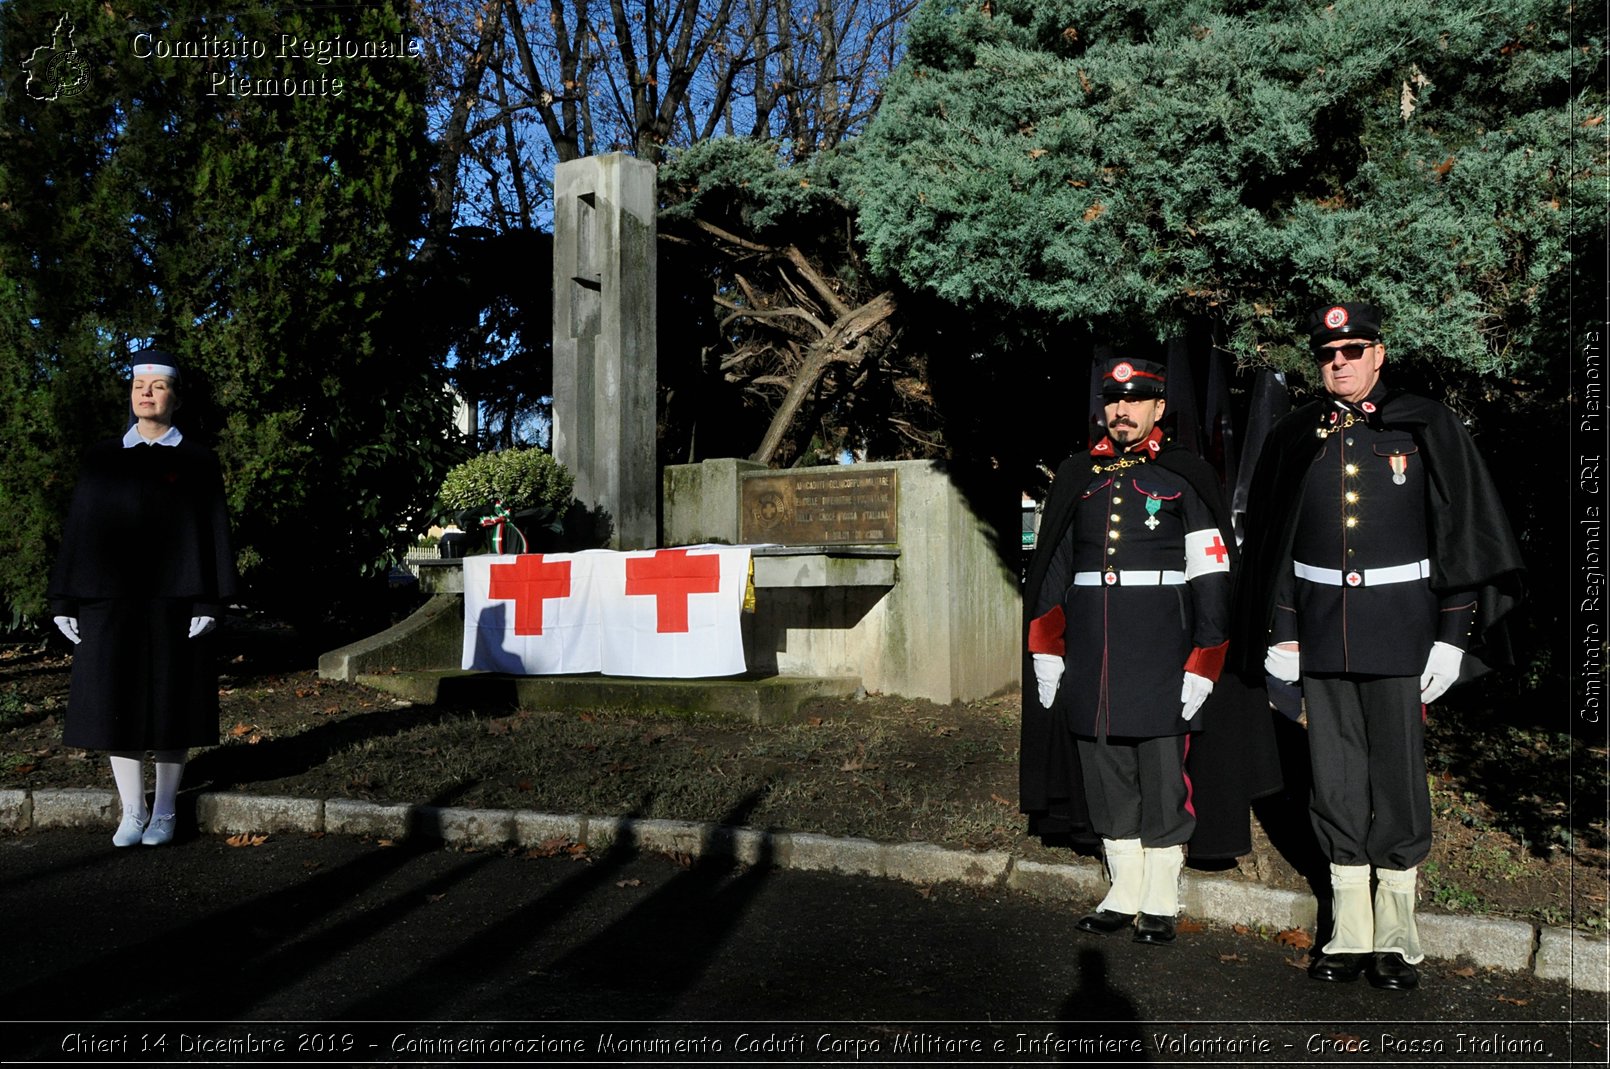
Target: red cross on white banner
point(673, 613)
point(528, 582)
point(1217, 550)
point(671, 577)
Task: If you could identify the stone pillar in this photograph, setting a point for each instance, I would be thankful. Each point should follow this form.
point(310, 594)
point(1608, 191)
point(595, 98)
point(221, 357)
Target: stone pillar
point(605, 370)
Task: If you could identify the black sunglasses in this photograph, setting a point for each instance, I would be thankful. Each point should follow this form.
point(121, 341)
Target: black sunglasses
point(1350, 351)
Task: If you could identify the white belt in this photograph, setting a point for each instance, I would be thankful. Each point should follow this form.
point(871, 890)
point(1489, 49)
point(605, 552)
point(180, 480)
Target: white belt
point(1129, 577)
point(1398, 573)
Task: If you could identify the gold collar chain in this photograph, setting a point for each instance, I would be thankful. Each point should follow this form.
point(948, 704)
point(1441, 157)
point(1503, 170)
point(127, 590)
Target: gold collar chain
point(1118, 465)
point(1325, 430)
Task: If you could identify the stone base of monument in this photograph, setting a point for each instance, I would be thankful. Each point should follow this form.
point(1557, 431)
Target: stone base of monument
point(431, 638)
point(925, 605)
point(756, 699)
point(417, 658)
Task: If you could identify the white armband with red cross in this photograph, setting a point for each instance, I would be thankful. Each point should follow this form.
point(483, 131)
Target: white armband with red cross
point(1205, 553)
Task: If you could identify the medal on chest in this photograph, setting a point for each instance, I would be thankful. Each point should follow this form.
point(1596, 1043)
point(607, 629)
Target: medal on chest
point(1152, 507)
point(1400, 467)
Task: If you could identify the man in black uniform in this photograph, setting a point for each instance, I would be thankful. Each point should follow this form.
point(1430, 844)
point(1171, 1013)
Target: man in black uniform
point(1377, 554)
point(1134, 607)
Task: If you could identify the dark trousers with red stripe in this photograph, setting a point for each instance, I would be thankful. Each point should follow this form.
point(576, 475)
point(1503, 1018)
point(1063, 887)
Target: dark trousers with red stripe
point(1366, 736)
point(1136, 788)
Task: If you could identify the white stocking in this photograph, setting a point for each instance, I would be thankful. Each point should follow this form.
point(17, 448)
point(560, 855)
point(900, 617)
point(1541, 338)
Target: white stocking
point(170, 770)
point(128, 772)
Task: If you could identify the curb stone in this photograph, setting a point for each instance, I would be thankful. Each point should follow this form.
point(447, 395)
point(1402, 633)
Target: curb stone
point(1057, 883)
point(1230, 902)
point(237, 814)
point(346, 816)
point(1581, 960)
point(75, 807)
point(810, 852)
point(1485, 940)
point(927, 863)
point(466, 827)
point(16, 810)
point(531, 829)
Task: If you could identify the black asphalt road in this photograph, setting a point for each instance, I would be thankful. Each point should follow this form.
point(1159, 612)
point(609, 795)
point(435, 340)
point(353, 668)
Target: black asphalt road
point(338, 950)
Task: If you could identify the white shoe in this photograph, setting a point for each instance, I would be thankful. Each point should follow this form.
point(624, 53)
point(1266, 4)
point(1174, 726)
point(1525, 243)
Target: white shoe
point(128, 831)
point(159, 831)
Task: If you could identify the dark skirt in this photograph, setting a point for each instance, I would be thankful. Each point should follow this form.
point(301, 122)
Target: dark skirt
point(139, 681)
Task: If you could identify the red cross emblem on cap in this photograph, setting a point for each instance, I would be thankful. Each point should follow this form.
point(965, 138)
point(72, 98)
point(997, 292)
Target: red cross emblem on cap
point(1354, 579)
point(1336, 318)
point(1123, 372)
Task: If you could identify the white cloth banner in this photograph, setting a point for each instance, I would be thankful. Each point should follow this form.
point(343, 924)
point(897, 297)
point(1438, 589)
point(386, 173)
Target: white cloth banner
point(532, 614)
point(668, 613)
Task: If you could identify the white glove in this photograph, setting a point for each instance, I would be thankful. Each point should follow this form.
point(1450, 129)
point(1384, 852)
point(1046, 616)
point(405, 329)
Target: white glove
point(1048, 669)
point(200, 625)
point(69, 627)
point(1194, 693)
point(1283, 662)
point(1442, 671)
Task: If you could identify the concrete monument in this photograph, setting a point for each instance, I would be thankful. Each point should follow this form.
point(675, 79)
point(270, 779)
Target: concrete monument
point(605, 369)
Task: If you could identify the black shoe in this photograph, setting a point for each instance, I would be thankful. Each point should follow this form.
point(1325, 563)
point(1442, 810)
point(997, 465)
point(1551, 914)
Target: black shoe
point(1105, 921)
point(1390, 972)
point(1150, 928)
point(1337, 968)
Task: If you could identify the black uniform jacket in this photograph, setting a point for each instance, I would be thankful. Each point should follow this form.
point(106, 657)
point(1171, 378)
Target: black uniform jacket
point(1473, 554)
point(1231, 758)
point(1139, 583)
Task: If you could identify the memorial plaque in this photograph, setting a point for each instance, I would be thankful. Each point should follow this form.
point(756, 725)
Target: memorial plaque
point(820, 507)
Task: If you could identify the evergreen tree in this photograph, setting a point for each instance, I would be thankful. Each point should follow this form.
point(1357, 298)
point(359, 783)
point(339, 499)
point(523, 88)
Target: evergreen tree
point(252, 209)
point(1159, 161)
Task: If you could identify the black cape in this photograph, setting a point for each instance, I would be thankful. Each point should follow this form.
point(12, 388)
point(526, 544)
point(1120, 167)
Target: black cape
point(146, 547)
point(1472, 547)
point(1232, 760)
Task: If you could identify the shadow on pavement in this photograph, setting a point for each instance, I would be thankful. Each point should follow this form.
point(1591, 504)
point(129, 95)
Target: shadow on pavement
point(1098, 1013)
point(230, 961)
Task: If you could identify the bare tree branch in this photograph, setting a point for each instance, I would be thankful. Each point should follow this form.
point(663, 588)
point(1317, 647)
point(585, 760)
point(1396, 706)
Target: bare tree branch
point(847, 332)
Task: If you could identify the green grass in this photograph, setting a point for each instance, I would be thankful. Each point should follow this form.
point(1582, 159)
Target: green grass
point(13, 710)
point(1447, 894)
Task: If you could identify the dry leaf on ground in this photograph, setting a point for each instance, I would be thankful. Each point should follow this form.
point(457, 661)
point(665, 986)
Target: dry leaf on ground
point(1295, 937)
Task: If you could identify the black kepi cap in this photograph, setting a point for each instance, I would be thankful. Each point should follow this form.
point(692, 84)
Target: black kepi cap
point(1137, 379)
point(1349, 319)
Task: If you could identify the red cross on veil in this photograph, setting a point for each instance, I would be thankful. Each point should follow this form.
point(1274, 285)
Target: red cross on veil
point(671, 576)
point(529, 582)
